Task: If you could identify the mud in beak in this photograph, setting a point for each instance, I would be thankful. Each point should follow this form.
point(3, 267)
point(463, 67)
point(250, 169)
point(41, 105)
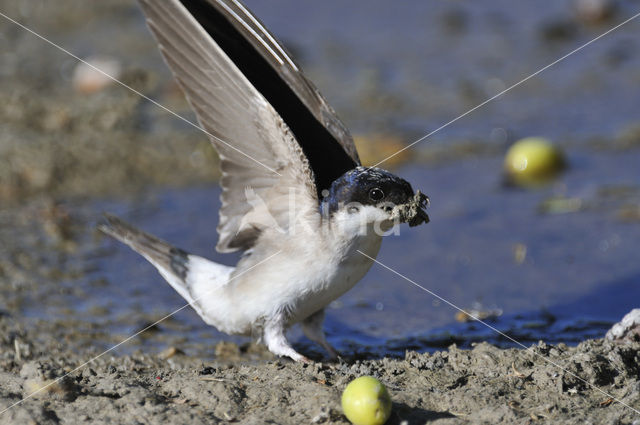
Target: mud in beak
point(413, 211)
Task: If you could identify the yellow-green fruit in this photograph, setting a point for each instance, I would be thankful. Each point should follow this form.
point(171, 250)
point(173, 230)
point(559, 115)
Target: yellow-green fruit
point(532, 161)
point(366, 401)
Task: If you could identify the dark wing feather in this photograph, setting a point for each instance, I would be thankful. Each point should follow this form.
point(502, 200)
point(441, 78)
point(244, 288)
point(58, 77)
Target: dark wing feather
point(325, 141)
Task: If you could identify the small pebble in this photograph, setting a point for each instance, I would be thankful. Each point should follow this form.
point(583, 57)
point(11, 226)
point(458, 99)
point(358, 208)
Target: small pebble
point(627, 328)
point(594, 11)
point(87, 79)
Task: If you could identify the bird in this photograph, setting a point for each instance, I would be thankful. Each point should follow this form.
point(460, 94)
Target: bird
point(297, 203)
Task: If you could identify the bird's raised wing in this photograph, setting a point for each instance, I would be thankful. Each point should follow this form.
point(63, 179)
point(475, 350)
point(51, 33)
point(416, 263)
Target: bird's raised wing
point(272, 129)
point(241, 35)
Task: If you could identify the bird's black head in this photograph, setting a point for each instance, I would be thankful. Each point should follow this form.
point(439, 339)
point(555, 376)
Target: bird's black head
point(374, 187)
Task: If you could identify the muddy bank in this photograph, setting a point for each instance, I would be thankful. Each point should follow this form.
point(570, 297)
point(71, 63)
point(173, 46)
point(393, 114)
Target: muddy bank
point(482, 385)
point(70, 146)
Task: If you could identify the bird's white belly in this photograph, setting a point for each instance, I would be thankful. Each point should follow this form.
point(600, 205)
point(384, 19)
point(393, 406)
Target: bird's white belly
point(304, 276)
point(341, 273)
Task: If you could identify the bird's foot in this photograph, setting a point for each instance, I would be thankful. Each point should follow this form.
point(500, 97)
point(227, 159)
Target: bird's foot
point(312, 328)
point(333, 354)
point(276, 341)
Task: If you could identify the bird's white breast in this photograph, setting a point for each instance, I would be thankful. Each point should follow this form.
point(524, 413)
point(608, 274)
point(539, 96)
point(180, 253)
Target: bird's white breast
point(337, 265)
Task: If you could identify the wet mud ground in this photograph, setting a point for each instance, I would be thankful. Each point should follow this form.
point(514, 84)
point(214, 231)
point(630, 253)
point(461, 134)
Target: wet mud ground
point(483, 385)
point(67, 294)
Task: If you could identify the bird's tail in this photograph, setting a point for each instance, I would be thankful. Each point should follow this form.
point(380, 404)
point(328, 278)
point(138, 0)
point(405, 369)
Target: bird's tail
point(188, 274)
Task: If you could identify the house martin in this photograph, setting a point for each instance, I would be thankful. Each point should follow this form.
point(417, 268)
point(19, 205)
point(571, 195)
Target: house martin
point(295, 199)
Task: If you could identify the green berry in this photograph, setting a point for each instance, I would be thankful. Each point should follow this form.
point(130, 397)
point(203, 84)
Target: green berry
point(532, 161)
point(366, 401)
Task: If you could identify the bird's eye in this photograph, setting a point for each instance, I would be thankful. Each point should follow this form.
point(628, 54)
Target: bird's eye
point(376, 194)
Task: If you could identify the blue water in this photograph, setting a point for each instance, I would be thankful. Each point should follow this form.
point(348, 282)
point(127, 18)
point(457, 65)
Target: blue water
point(580, 274)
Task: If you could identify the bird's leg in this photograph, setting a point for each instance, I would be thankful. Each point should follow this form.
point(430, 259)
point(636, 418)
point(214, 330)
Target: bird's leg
point(276, 340)
point(312, 328)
